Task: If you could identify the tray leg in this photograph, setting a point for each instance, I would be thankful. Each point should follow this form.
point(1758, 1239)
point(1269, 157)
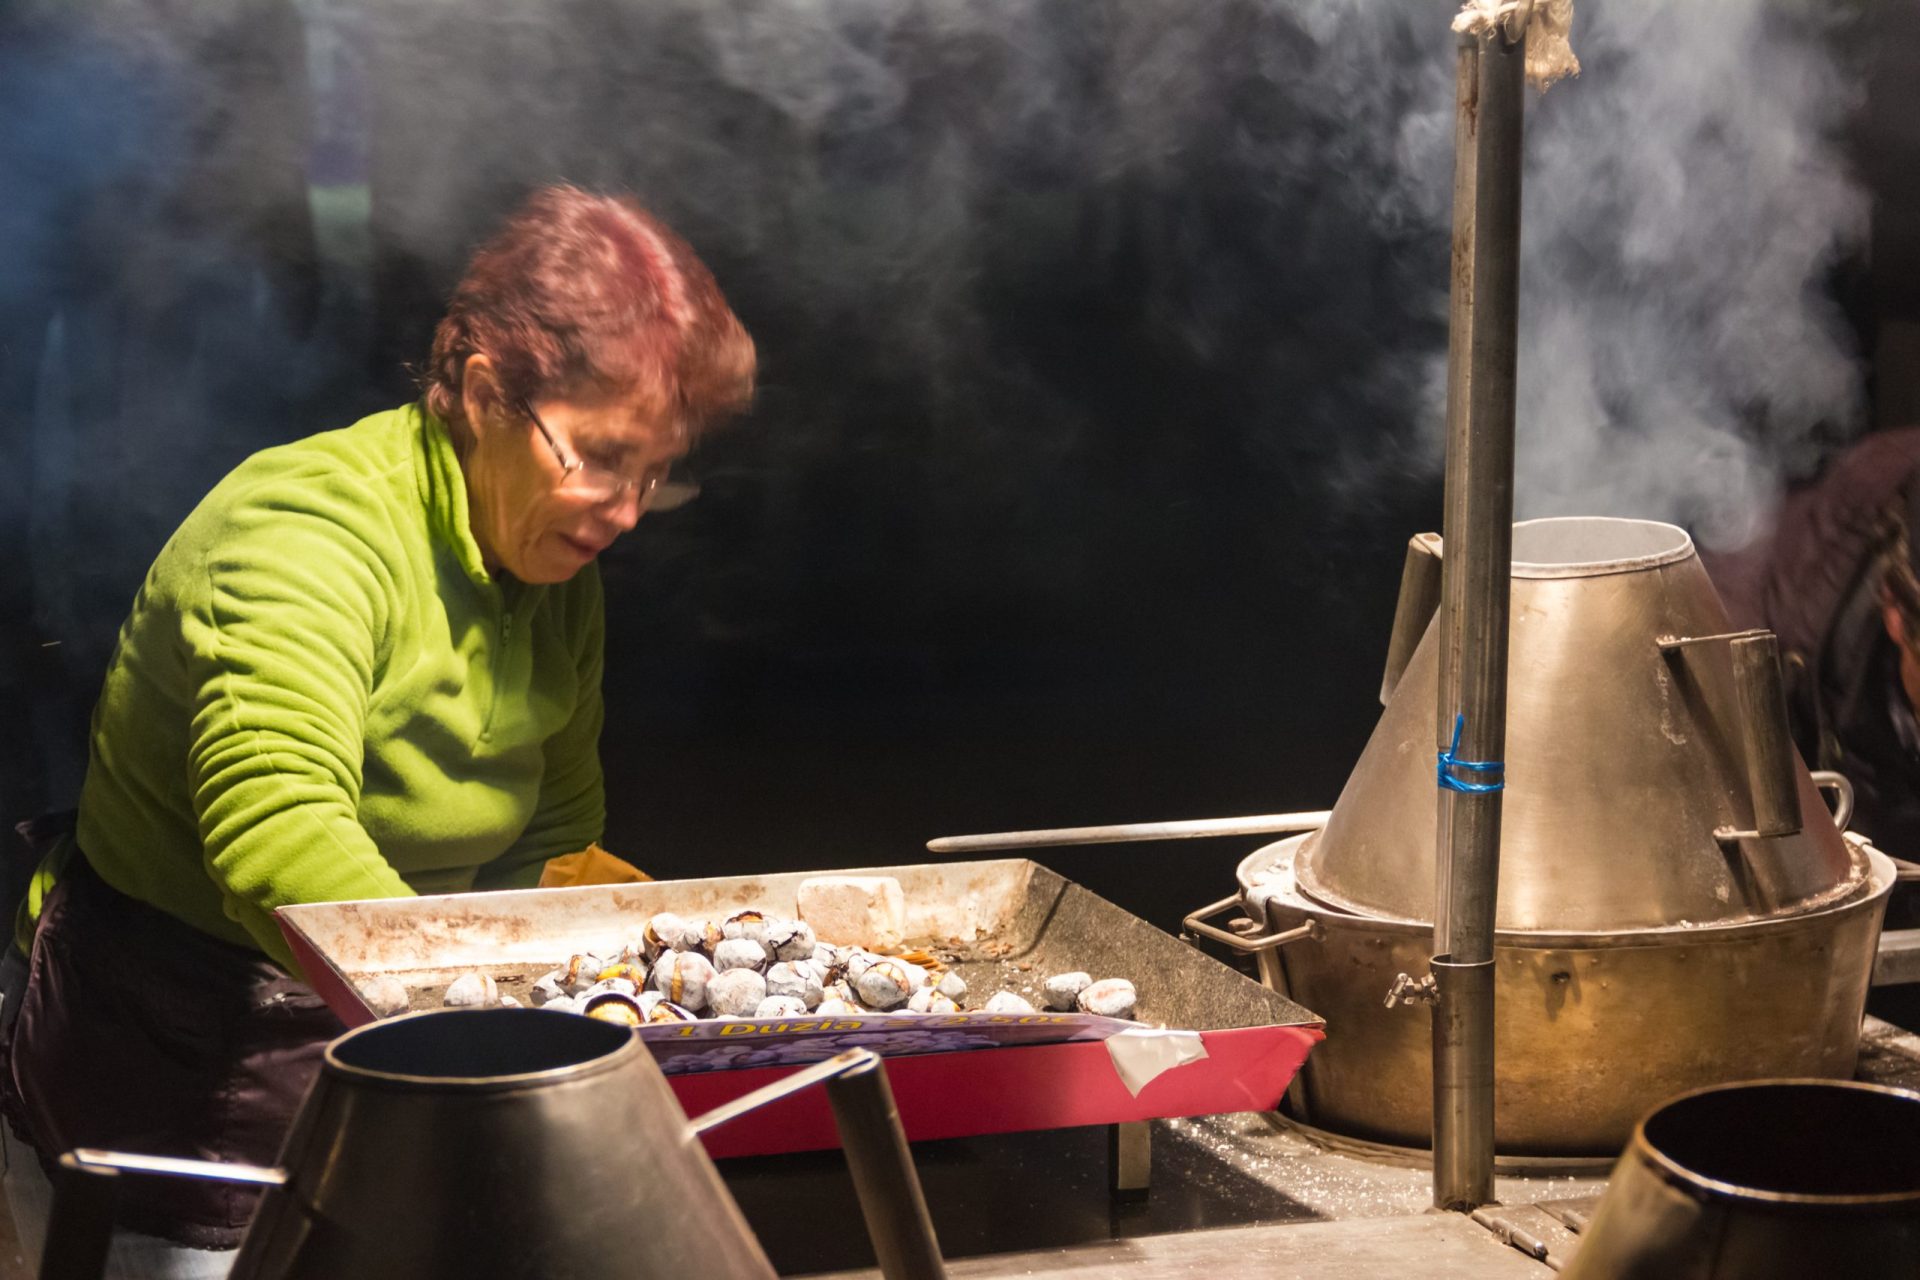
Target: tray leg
point(1130, 1159)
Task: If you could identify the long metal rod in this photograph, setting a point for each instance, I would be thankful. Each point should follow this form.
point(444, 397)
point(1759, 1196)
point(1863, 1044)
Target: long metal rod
point(884, 1177)
point(1478, 538)
point(175, 1167)
point(1129, 832)
point(883, 1174)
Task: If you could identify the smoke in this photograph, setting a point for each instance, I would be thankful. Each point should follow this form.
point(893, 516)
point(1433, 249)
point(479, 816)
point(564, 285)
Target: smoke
point(1686, 204)
point(1060, 304)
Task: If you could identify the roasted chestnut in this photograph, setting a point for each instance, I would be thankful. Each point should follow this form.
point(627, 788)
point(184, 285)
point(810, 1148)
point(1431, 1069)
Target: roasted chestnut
point(951, 985)
point(799, 980)
point(751, 925)
point(780, 1007)
point(682, 977)
point(928, 1000)
point(1109, 998)
point(385, 994)
point(611, 1006)
point(739, 953)
point(632, 972)
point(790, 939)
point(580, 972)
point(886, 984)
point(668, 1011)
point(470, 991)
point(663, 933)
point(1007, 1002)
point(736, 992)
point(625, 986)
point(1061, 990)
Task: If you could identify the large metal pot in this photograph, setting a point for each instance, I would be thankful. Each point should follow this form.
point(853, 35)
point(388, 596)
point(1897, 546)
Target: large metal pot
point(1677, 905)
point(1778, 1180)
point(1591, 1028)
point(465, 1144)
point(510, 1144)
point(1649, 779)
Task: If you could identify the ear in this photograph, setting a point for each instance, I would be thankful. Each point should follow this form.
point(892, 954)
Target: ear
point(1894, 621)
point(482, 398)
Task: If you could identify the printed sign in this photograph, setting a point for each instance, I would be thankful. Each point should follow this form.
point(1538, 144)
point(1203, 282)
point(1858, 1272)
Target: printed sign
point(720, 1044)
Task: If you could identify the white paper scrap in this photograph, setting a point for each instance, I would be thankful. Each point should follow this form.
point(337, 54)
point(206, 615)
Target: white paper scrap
point(1140, 1056)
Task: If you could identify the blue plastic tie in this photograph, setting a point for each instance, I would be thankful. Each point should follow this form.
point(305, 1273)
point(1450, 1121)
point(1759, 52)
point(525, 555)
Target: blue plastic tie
point(1450, 760)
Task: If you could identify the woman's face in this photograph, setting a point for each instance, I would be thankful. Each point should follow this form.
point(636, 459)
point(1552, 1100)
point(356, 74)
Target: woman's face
point(539, 518)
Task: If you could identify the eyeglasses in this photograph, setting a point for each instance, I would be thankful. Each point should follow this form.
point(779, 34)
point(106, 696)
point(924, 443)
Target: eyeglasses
point(657, 487)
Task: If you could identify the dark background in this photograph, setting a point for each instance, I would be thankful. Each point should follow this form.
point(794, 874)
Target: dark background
point(1097, 345)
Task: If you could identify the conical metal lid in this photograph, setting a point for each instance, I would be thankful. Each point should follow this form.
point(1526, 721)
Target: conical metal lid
point(1624, 758)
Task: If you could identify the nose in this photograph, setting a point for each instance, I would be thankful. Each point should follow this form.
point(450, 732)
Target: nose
point(624, 510)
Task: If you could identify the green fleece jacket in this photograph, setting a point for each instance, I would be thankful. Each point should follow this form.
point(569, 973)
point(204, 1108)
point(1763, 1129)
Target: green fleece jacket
point(322, 694)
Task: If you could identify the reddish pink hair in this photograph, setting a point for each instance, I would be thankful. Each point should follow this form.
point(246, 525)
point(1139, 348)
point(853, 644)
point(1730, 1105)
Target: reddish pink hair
point(583, 293)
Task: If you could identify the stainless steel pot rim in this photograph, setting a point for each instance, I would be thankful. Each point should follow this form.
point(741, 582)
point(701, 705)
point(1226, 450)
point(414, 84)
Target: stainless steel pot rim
point(610, 1061)
point(1679, 1175)
point(1613, 544)
point(1876, 885)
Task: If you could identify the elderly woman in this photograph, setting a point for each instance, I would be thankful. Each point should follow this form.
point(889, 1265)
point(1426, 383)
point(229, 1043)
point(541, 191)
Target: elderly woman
point(367, 665)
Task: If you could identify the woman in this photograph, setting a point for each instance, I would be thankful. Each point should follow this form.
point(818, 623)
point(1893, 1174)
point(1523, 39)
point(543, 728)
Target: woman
point(367, 665)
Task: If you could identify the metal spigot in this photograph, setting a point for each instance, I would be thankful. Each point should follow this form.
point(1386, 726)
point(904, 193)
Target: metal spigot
point(1412, 990)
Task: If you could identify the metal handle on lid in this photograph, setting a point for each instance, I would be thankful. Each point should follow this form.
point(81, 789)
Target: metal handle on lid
point(1196, 923)
point(1828, 780)
point(1772, 785)
point(1763, 725)
point(1419, 600)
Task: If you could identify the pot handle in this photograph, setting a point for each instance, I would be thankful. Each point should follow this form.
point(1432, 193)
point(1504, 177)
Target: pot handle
point(1763, 723)
point(86, 1185)
point(1842, 789)
point(1419, 598)
point(1772, 785)
point(1196, 923)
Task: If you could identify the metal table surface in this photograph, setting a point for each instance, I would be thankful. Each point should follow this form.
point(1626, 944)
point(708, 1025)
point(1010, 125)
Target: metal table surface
point(1008, 1203)
point(1231, 1195)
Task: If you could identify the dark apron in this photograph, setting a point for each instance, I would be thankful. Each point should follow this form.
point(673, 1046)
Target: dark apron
point(140, 1033)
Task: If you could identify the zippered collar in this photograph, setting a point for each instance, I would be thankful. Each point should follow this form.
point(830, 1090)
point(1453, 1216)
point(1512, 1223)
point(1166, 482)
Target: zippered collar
point(443, 491)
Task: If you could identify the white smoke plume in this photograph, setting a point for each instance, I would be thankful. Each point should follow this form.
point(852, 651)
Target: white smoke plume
point(1685, 202)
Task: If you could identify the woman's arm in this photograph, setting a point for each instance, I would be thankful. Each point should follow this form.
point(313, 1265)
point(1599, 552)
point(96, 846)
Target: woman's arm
point(282, 652)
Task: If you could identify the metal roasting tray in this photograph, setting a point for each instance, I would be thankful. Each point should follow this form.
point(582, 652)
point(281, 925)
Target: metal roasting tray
point(1008, 923)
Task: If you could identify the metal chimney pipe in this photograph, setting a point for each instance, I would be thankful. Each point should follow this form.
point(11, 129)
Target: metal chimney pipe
point(1477, 568)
